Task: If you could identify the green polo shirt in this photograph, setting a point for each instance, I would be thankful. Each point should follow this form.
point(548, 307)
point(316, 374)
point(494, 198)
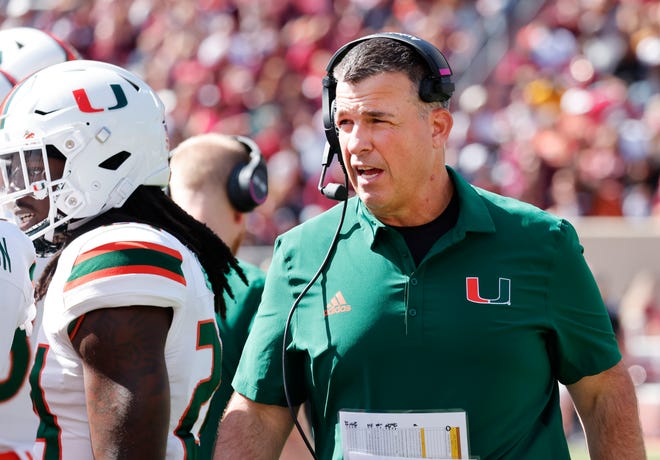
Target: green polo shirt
point(501, 308)
point(233, 333)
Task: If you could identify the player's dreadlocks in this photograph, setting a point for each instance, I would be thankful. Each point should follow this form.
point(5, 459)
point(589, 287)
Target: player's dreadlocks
point(150, 205)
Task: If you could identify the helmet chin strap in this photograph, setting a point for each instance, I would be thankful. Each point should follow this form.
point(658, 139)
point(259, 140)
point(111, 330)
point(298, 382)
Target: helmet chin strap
point(45, 248)
point(42, 236)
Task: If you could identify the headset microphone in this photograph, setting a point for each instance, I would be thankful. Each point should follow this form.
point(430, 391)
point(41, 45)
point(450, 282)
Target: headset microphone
point(333, 191)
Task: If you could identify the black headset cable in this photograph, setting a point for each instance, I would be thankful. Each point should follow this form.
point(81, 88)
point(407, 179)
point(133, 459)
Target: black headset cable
point(324, 264)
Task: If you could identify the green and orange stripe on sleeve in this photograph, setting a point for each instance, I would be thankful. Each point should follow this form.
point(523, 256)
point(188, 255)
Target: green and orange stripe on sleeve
point(126, 258)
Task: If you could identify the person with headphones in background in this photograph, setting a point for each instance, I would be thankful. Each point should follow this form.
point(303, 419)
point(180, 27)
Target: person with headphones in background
point(424, 313)
point(23, 51)
point(218, 179)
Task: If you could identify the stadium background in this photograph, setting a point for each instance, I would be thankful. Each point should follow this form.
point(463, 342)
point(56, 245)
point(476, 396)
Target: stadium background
point(557, 104)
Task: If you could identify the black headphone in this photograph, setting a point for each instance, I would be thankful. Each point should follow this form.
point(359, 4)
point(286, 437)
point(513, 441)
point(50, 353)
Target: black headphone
point(437, 87)
point(247, 186)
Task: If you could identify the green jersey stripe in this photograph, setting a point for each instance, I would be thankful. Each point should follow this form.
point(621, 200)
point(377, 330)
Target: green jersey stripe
point(119, 262)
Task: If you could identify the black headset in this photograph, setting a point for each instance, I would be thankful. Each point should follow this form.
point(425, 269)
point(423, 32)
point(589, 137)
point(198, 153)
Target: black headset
point(436, 87)
point(247, 186)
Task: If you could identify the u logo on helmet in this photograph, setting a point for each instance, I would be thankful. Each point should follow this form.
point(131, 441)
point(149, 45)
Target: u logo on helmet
point(82, 99)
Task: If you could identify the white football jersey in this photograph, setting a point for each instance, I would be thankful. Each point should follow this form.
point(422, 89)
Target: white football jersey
point(17, 261)
point(115, 266)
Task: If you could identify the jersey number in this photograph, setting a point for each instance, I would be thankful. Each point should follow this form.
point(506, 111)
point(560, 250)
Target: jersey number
point(20, 360)
point(194, 417)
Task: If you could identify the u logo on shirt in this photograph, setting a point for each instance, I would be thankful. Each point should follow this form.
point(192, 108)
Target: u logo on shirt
point(474, 296)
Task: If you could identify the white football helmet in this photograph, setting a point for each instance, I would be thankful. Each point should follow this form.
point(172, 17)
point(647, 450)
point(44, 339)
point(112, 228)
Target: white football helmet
point(24, 50)
point(104, 122)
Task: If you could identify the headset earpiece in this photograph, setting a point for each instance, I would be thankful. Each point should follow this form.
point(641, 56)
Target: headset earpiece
point(436, 89)
point(247, 186)
point(328, 98)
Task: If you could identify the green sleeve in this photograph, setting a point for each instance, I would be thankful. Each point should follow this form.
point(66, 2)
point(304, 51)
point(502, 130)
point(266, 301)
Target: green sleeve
point(259, 373)
point(584, 342)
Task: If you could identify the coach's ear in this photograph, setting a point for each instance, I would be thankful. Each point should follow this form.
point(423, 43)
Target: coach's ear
point(442, 123)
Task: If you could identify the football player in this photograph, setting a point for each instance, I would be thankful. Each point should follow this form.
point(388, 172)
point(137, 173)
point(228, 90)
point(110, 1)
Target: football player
point(17, 261)
point(128, 352)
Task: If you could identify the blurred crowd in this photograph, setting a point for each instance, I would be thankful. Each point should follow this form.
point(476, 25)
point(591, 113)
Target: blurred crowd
point(557, 102)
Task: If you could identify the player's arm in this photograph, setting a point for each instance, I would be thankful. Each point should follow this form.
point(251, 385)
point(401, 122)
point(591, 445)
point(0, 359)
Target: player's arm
point(250, 430)
point(607, 406)
point(126, 382)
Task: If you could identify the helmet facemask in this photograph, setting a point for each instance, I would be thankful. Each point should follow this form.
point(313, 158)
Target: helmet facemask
point(29, 187)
